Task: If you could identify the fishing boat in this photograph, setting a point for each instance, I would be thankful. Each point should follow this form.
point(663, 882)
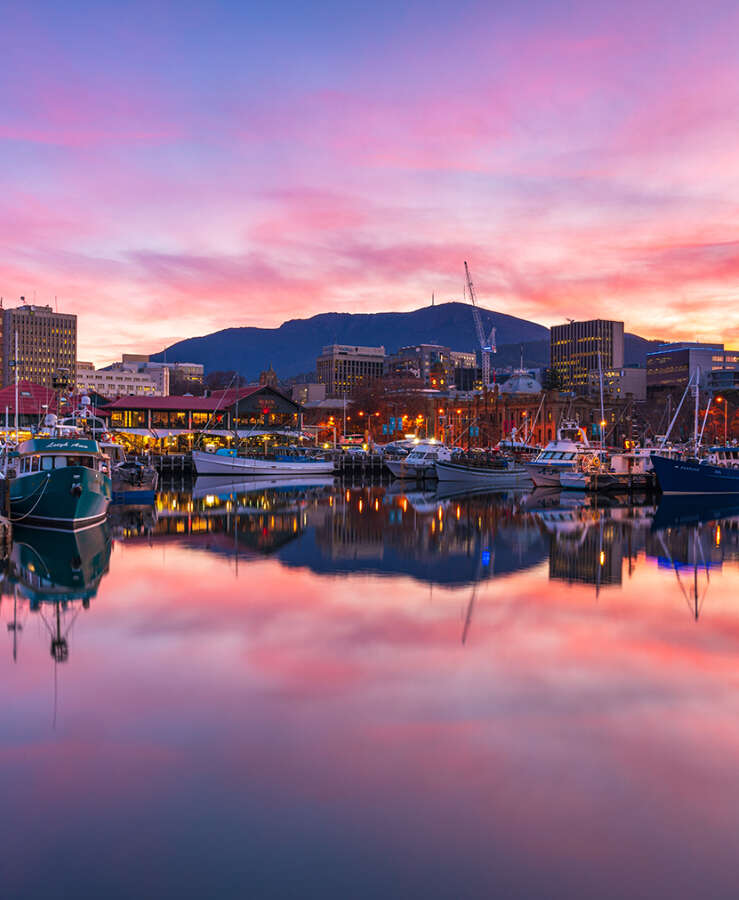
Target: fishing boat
point(420, 462)
point(226, 461)
point(497, 472)
point(559, 455)
point(718, 473)
point(59, 483)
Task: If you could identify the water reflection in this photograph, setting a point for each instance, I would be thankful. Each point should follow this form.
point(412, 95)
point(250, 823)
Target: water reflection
point(366, 692)
point(55, 574)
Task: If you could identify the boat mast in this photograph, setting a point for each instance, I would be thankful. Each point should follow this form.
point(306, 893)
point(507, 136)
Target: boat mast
point(602, 412)
point(697, 404)
point(16, 386)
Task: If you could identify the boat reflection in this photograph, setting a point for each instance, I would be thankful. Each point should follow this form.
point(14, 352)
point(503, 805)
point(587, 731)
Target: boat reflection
point(55, 574)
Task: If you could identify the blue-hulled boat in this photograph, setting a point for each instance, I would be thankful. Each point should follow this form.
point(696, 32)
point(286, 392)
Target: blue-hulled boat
point(718, 473)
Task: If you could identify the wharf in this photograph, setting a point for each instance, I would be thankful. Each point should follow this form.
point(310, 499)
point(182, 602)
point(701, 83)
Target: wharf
point(169, 465)
point(600, 482)
point(368, 466)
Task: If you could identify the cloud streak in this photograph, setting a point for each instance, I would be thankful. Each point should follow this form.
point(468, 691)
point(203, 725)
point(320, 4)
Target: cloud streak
point(588, 167)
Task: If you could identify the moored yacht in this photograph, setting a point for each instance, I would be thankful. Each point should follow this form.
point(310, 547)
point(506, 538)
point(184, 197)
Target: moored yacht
point(496, 472)
point(559, 455)
point(420, 462)
point(226, 461)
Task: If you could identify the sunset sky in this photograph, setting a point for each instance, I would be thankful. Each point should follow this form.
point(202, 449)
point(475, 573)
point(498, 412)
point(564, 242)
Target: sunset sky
point(169, 169)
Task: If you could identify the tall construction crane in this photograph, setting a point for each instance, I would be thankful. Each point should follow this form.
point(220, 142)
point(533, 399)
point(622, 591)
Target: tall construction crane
point(486, 346)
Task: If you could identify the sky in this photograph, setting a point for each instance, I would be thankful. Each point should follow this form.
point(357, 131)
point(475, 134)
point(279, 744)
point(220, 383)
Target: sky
point(171, 169)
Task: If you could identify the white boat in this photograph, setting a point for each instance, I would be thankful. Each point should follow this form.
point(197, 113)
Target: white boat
point(574, 480)
point(420, 462)
point(559, 455)
point(501, 473)
point(226, 462)
point(225, 487)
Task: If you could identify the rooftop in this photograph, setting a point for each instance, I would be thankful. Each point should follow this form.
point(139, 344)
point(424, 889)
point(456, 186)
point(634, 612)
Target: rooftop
point(216, 400)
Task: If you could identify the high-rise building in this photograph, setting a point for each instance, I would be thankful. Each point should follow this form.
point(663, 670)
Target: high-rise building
point(579, 348)
point(673, 365)
point(343, 368)
point(47, 346)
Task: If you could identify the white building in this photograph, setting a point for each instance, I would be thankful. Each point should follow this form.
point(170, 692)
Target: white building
point(342, 368)
point(112, 383)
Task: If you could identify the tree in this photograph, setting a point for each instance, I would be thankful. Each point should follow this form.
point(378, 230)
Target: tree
point(221, 380)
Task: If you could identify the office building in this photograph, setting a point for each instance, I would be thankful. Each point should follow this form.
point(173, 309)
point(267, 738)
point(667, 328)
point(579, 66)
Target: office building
point(343, 368)
point(437, 366)
point(671, 366)
point(630, 381)
point(113, 382)
point(47, 346)
point(579, 348)
point(182, 378)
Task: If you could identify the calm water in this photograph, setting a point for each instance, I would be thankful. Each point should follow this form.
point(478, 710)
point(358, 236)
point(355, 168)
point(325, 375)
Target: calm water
point(321, 693)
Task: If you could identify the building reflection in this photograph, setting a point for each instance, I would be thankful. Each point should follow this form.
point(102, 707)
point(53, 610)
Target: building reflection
point(590, 545)
point(434, 537)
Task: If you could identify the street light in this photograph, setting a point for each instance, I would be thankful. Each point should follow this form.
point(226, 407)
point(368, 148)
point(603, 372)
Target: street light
point(726, 418)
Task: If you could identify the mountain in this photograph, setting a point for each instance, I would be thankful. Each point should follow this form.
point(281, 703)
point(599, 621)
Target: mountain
point(293, 347)
point(636, 349)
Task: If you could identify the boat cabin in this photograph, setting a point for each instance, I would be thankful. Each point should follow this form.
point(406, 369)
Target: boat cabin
point(46, 454)
point(724, 456)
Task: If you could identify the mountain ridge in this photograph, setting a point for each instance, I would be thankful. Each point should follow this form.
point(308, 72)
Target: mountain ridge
point(292, 347)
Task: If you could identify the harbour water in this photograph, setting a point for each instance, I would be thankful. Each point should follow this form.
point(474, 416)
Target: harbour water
point(365, 692)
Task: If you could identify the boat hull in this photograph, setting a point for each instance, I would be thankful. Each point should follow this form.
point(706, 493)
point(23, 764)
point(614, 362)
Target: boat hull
point(214, 464)
point(677, 476)
point(401, 469)
point(69, 498)
point(481, 475)
point(546, 476)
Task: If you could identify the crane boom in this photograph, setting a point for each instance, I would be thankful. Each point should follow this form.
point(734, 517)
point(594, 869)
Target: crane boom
point(486, 346)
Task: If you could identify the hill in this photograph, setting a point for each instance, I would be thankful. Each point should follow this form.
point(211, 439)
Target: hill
point(293, 347)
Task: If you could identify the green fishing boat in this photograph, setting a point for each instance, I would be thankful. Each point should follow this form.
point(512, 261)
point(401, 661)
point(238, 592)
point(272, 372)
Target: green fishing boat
point(60, 483)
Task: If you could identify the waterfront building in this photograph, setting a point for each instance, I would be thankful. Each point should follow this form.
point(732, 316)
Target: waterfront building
point(343, 368)
point(671, 366)
point(578, 349)
point(113, 382)
point(34, 402)
point(173, 421)
point(47, 345)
